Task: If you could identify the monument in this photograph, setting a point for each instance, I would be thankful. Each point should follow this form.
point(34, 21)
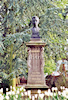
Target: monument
point(35, 61)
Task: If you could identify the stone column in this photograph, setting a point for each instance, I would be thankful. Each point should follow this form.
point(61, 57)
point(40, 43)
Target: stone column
point(35, 65)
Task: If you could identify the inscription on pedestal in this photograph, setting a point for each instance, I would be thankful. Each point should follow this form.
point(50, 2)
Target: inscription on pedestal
point(35, 69)
point(36, 78)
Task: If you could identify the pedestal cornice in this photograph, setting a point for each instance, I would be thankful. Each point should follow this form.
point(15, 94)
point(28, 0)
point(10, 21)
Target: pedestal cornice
point(35, 43)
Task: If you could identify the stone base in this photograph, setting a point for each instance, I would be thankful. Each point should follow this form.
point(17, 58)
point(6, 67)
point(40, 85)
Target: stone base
point(36, 87)
point(35, 39)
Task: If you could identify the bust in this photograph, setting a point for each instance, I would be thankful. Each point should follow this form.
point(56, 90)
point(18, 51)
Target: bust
point(35, 29)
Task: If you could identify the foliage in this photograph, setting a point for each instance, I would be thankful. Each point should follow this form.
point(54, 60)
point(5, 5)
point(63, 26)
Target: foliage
point(15, 32)
point(18, 65)
point(1, 45)
point(49, 66)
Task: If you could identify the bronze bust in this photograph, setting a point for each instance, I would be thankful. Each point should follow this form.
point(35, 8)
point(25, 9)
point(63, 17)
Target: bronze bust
point(35, 29)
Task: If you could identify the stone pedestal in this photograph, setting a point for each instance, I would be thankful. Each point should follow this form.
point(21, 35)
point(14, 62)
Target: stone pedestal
point(35, 65)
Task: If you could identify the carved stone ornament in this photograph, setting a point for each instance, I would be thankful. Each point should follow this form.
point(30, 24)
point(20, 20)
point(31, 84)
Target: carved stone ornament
point(29, 58)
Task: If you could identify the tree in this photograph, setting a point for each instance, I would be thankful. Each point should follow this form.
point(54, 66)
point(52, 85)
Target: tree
point(15, 18)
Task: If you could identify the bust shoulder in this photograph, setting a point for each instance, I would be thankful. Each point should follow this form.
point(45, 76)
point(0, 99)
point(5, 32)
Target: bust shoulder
point(35, 29)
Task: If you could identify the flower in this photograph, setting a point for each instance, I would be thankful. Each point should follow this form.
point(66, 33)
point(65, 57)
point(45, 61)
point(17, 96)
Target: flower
point(7, 97)
point(46, 93)
point(7, 93)
point(36, 95)
point(22, 94)
point(24, 90)
point(1, 90)
point(63, 87)
point(1, 98)
point(54, 94)
point(59, 93)
point(29, 92)
point(6, 89)
point(49, 90)
point(64, 93)
point(25, 93)
point(66, 90)
point(17, 92)
point(21, 89)
point(39, 91)
point(0, 95)
point(67, 97)
point(13, 93)
point(11, 87)
point(14, 89)
point(41, 96)
point(30, 96)
point(51, 94)
point(16, 96)
point(53, 89)
point(33, 98)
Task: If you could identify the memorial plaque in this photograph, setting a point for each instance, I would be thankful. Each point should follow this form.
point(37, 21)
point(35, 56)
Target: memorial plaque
point(35, 67)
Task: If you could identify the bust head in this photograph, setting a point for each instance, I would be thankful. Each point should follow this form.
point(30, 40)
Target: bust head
point(35, 21)
point(35, 29)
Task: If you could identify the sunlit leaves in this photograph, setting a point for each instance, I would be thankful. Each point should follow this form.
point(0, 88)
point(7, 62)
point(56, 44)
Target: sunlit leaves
point(1, 45)
point(15, 24)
